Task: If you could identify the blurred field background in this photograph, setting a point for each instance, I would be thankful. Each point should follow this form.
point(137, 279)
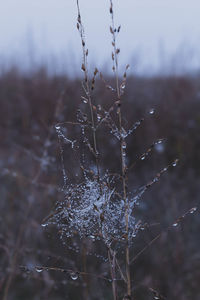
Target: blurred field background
point(36, 94)
point(31, 177)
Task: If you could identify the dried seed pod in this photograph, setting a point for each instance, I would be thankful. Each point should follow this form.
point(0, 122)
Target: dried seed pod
point(83, 68)
point(96, 71)
point(117, 51)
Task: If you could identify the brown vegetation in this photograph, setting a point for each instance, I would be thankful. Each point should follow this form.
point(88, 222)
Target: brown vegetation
point(31, 181)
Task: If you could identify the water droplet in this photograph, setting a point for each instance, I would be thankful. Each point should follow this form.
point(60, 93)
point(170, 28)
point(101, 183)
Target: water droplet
point(123, 86)
point(74, 276)
point(57, 127)
point(84, 117)
point(142, 157)
point(124, 145)
point(159, 141)
point(38, 269)
point(44, 225)
point(156, 297)
point(192, 210)
point(156, 179)
point(85, 100)
point(175, 224)
point(174, 164)
point(152, 111)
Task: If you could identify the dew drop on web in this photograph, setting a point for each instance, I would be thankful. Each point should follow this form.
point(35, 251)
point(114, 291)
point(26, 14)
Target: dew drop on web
point(192, 210)
point(124, 145)
point(57, 127)
point(38, 269)
point(74, 276)
point(152, 111)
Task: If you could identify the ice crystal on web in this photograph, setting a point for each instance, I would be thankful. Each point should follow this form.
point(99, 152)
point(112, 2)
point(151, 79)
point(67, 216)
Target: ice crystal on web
point(91, 209)
point(92, 206)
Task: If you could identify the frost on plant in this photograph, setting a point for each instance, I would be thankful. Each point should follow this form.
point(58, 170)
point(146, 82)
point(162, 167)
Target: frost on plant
point(92, 207)
point(93, 204)
point(93, 210)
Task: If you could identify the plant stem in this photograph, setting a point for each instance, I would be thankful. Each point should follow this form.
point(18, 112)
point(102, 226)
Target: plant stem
point(88, 89)
point(122, 142)
point(112, 261)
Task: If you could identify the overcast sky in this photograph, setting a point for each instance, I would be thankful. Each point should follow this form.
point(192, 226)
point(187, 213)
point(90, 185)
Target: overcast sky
point(152, 30)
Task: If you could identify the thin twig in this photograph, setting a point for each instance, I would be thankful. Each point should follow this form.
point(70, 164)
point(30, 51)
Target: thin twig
point(179, 220)
point(122, 143)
